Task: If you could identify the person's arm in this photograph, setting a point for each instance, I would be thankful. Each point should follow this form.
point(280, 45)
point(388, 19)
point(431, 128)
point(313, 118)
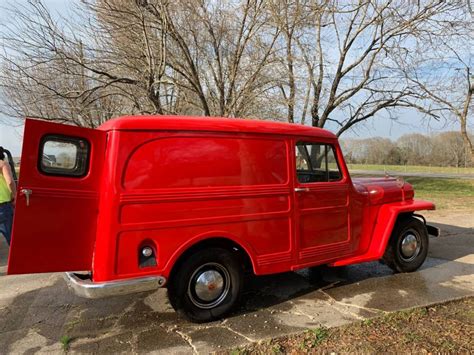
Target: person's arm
point(7, 174)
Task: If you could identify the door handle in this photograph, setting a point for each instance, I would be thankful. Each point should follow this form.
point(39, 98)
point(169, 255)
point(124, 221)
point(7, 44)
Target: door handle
point(301, 189)
point(27, 193)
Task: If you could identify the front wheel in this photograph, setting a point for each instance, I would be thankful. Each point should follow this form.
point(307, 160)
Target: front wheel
point(207, 285)
point(408, 245)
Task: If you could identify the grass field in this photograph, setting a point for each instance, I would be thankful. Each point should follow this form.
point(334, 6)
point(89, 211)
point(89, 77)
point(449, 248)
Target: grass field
point(445, 193)
point(412, 168)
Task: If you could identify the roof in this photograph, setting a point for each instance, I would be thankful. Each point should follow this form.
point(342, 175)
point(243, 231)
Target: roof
point(141, 123)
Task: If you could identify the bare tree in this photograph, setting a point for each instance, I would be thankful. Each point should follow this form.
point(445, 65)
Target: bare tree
point(441, 71)
point(345, 55)
point(55, 70)
point(416, 148)
point(338, 63)
point(221, 51)
point(138, 56)
point(376, 150)
point(442, 149)
point(449, 150)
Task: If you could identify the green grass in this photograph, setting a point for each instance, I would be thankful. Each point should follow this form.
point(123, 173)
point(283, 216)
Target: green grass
point(442, 186)
point(446, 193)
point(316, 336)
point(411, 168)
point(65, 342)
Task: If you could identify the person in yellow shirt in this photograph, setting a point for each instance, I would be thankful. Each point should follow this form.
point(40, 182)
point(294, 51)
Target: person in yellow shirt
point(7, 197)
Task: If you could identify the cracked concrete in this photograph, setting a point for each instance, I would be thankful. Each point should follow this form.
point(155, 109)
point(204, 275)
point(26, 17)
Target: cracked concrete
point(37, 310)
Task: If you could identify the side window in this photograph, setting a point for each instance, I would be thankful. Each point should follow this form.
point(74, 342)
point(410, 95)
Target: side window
point(63, 156)
point(316, 163)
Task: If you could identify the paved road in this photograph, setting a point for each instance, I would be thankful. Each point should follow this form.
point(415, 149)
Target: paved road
point(425, 174)
point(37, 310)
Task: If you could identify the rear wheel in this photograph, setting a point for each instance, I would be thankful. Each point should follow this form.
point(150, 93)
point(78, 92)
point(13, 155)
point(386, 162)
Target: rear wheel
point(207, 285)
point(408, 245)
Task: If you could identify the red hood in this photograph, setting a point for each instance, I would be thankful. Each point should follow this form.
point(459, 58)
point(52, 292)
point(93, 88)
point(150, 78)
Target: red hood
point(384, 190)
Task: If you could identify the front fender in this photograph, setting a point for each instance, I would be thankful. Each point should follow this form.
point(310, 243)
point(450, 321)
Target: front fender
point(386, 219)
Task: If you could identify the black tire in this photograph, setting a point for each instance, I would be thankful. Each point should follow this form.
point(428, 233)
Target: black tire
point(394, 257)
point(183, 290)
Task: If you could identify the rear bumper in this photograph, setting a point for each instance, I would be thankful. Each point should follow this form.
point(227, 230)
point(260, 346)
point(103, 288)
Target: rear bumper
point(83, 286)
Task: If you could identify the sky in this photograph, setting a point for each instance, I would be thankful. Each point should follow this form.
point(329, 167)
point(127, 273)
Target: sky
point(409, 121)
point(11, 131)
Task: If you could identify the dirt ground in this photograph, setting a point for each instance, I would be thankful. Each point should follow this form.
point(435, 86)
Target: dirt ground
point(447, 327)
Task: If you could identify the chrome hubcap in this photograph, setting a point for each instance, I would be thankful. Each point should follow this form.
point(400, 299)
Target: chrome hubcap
point(209, 285)
point(410, 246)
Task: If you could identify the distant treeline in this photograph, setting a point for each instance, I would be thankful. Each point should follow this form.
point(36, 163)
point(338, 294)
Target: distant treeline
point(443, 149)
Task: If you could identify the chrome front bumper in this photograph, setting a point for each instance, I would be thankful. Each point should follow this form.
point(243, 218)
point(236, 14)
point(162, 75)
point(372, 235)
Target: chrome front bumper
point(83, 286)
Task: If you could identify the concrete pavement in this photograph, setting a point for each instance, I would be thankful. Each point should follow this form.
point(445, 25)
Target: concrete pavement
point(37, 310)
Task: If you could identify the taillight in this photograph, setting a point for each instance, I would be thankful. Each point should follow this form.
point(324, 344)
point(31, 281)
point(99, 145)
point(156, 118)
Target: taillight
point(146, 256)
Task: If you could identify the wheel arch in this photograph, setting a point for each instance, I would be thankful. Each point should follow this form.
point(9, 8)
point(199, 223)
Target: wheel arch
point(387, 218)
point(409, 259)
point(214, 239)
point(393, 213)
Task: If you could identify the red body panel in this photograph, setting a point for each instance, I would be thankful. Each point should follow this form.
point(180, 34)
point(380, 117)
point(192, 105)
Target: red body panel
point(171, 182)
point(56, 231)
point(378, 240)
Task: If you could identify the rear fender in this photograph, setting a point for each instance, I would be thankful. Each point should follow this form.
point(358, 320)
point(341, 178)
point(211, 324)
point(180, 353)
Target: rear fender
point(217, 236)
point(386, 219)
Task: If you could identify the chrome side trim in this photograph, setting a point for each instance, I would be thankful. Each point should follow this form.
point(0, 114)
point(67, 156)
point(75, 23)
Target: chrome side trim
point(85, 287)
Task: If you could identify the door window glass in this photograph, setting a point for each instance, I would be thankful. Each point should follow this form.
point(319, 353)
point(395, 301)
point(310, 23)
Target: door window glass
point(316, 163)
point(64, 156)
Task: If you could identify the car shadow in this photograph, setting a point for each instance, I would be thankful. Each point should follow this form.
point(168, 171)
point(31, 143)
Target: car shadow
point(454, 242)
point(265, 291)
